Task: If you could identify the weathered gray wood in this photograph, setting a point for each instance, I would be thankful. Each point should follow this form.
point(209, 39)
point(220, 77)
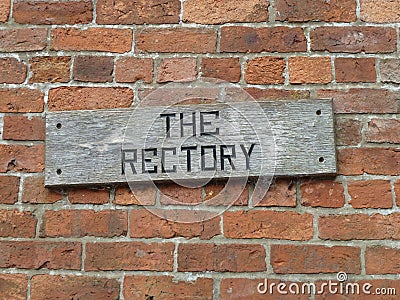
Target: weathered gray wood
point(85, 147)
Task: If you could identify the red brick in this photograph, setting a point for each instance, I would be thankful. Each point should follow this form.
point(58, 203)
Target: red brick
point(265, 70)
point(382, 260)
point(195, 95)
point(390, 70)
point(221, 258)
point(177, 69)
point(89, 196)
point(21, 100)
point(49, 69)
point(355, 70)
point(227, 69)
point(397, 191)
point(131, 69)
point(93, 68)
point(166, 288)
point(23, 39)
point(172, 193)
point(370, 194)
point(352, 39)
point(21, 128)
point(322, 193)
point(145, 224)
point(361, 100)
point(348, 132)
point(14, 286)
point(359, 227)
point(282, 192)
point(376, 161)
point(383, 131)
point(310, 70)
point(21, 158)
point(12, 70)
point(40, 255)
point(17, 224)
point(246, 288)
point(9, 187)
point(268, 224)
point(50, 12)
point(211, 95)
point(77, 98)
point(91, 39)
point(4, 10)
point(138, 12)
point(73, 287)
point(315, 10)
point(277, 94)
point(221, 194)
point(81, 223)
point(383, 11)
point(132, 256)
point(192, 40)
point(267, 39)
point(309, 259)
point(225, 11)
point(141, 195)
point(34, 191)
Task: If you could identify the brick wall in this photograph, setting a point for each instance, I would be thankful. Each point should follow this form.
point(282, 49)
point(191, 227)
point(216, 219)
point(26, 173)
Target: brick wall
point(100, 244)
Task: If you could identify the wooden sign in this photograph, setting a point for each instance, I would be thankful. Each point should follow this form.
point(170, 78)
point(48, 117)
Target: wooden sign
point(184, 142)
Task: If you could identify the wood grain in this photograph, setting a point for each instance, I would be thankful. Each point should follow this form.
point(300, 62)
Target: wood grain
point(291, 138)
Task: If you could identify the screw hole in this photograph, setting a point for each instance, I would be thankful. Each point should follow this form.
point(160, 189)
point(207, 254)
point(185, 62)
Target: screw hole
point(59, 125)
point(321, 159)
point(318, 112)
point(59, 171)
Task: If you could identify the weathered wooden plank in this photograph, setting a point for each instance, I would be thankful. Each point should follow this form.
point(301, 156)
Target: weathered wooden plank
point(113, 146)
